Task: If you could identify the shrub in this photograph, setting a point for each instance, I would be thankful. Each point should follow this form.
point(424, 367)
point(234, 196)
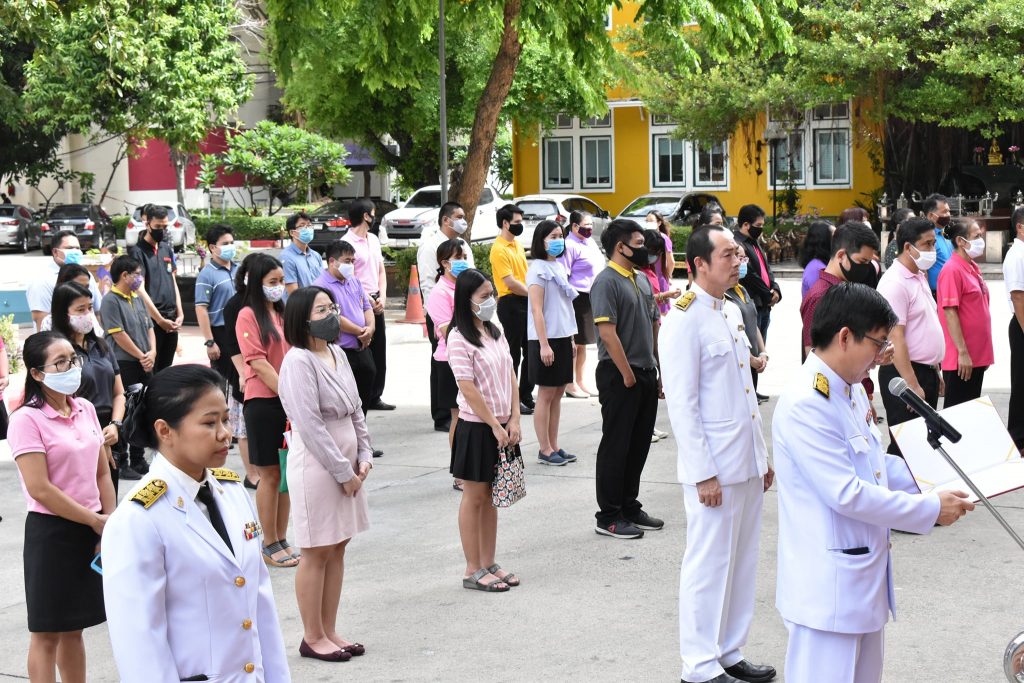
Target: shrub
point(120, 225)
point(245, 227)
point(9, 333)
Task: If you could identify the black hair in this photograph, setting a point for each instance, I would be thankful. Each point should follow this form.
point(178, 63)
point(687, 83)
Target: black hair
point(659, 220)
point(216, 231)
point(957, 228)
point(852, 237)
point(854, 214)
point(700, 244)
point(254, 298)
point(852, 305)
point(63, 296)
point(709, 210)
point(445, 252)
point(576, 217)
point(33, 354)
point(465, 319)
point(817, 244)
point(932, 201)
point(1016, 219)
point(111, 247)
point(506, 213)
point(447, 211)
point(543, 229)
point(297, 314)
point(619, 230)
point(898, 217)
point(156, 211)
point(170, 396)
point(749, 213)
point(294, 219)
point(655, 244)
point(121, 265)
point(69, 271)
point(58, 239)
point(339, 248)
point(242, 274)
point(357, 209)
point(144, 211)
point(911, 230)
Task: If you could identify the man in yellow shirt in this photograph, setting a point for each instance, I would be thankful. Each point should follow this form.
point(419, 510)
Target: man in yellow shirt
point(508, 266)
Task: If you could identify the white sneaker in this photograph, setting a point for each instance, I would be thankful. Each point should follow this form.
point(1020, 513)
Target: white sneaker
point(655, 438)
point(660, 434)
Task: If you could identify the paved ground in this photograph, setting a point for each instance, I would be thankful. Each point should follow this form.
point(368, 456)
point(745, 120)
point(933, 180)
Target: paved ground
point(590, 608)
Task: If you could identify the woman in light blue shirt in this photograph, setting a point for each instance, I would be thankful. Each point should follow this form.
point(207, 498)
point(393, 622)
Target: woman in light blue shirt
point(550, 326)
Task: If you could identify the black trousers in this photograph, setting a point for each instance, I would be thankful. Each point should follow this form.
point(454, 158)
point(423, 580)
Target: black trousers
point(132, 373)
point(166, 347)
point(1015, 423)
point(365, 372)
point(627, 423)
point(438, 414)
point(512, 316)
point(959, 391)
point(378, 348)
point(896, 411)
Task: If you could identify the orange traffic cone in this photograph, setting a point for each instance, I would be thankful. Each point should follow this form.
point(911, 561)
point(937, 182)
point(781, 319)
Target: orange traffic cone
point(414, 314)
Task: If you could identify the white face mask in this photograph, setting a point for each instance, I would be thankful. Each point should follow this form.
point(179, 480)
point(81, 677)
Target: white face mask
point(347, 270)
point(925, 260)
point(975, 247)
point(82, 324)
point(487, 308)
point(459, 225)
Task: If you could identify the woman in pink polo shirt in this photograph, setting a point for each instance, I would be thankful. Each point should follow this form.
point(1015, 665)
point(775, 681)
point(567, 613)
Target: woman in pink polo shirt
point(451, 260)
point(57, 443)
point(964, 313)
point(488, 420)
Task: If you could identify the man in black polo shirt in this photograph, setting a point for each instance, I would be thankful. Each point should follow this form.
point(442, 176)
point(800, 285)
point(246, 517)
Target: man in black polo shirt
point(163, 300)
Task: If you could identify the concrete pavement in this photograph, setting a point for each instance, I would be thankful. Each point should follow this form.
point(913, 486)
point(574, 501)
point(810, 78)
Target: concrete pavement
point(590, 608)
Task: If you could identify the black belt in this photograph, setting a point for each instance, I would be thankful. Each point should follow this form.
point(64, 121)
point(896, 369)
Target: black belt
point(855, 551)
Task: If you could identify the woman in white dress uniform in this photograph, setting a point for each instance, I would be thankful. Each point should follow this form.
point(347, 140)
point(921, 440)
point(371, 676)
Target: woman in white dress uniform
point(188, 595)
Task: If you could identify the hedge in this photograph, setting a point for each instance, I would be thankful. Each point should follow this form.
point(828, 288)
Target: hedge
point(405, 258)
point(246, 227)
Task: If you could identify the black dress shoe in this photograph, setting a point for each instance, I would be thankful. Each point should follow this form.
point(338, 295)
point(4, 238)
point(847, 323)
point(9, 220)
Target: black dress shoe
point(377, 453)
point(381, 405)
point(442, 427)
point(721, 678)
point(525, 409)
point(752, 673)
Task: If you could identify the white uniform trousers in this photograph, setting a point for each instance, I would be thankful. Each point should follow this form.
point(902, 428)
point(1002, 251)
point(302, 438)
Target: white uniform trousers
point(814, 656)
point(716, 583)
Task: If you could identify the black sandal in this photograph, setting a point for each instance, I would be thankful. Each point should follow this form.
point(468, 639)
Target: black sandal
point(474, 583)
point(494, 569)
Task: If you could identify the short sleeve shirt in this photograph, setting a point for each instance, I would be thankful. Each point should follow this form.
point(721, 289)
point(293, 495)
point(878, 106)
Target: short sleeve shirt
point(253, 348)
point(351, 300)
point(583, 260)
point(71, 446)
point(507, 258)
point(158, 267)
point(40, 291)
point(127, 314)
point(426, 260)
point(911, 299)
point(99, 368)
point(488, 367)
point(559, 317)
point(441, 309)
point(214, 286)
point(301, 268)
point(1013, 270)
point(825, 281)
point(943, 252)
point(369, 260)
point(962, 286)
point(625, 299)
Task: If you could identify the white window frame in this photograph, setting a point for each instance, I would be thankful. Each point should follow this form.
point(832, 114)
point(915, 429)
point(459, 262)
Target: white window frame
point(608, 22)
point(597, 139)
point(656, 180)
point(832, 116)
point(832, 132)
point(561, 119)
point(598, 122)
point(659, 126)
point(577, 133)
point(559, 140)
point(724, 182)
point(809, 127)
point(776, 146)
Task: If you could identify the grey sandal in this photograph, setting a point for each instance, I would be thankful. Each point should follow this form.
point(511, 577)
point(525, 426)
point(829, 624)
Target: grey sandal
point(285, 545)
point(507, 579)
point(474, 583)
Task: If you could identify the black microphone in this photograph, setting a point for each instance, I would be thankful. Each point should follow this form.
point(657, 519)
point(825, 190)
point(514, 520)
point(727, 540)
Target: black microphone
point(936, 423)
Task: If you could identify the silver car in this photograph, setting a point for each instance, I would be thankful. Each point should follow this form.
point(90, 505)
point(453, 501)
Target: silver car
point(181, 231)
point(18, 229)
point(557, 207)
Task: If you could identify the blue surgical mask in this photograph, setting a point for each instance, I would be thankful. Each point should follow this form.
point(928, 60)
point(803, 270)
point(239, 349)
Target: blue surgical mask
point(227, 251)
point(306, 235)
point(73, 257)
point(556, 247)
point(459, 265)
point(743, 270)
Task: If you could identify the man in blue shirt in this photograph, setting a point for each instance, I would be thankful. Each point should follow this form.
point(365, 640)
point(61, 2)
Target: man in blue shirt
point(301, 264)
point(936, 209)
point(214, 286)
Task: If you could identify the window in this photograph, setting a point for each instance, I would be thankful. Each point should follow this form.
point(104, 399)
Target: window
point(828, 112)
point(486, 197)
point(662, 120)
point(669, 161)
point(788, 159)
point(599, 121)
point(557, 163)
point(784, 115)
point(563, 121)
point(832, 156)
point(596, 161)
point(710, 163)
point(608, 18)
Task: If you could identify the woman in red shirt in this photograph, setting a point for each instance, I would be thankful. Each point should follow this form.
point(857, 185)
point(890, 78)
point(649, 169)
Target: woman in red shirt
point(260, 333)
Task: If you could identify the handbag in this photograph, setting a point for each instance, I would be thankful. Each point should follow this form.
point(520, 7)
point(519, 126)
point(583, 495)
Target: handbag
point(509, 478)
point(282, 457)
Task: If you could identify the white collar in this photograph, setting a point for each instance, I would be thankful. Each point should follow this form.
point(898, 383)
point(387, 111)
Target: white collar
point(183, 480)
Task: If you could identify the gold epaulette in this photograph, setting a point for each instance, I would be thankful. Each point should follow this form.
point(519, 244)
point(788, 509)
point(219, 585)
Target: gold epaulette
point(683, 302)
point(821, 384)
point(149, 493)
point(224, 474)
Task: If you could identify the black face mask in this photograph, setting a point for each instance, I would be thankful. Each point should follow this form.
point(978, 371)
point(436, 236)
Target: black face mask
point(860, 273)
point(755, 231)
point(639, 257)
point(515, 228)
point(327, 328)
point(156, 235)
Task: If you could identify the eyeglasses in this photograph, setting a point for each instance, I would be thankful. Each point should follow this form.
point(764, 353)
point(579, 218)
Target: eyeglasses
point(321, 310)
point(64, 364)
point(882, 344)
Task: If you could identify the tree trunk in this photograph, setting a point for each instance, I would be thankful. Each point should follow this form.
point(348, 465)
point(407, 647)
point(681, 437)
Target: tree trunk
point(485, 123)
point(122, 152)
point(179, 160)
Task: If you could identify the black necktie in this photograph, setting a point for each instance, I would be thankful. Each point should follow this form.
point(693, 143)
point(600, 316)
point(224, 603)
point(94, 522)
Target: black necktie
point(205, 496)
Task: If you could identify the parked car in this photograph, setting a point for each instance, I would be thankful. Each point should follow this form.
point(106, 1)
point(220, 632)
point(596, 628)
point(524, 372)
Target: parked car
point(181, 229)
point(679, 208)
point(330, 221)
point(92, 225)
point(18, 229)
point(557, 207)
point(403, 227)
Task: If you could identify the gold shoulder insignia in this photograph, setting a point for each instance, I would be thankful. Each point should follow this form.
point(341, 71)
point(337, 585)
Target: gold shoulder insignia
point(683, 302)
point(149, 493)
point(224, 474)
point(821, 384)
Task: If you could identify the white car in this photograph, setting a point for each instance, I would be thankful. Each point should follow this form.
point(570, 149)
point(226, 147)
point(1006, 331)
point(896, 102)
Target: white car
point(404, 226)
point(180, 228)
point(556, 207)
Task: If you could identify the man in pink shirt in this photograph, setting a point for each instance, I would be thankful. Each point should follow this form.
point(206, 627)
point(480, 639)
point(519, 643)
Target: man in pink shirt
point(370, 273)
point(917, 338)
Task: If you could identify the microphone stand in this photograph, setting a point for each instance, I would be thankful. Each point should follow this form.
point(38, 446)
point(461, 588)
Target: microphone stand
point(933, 440)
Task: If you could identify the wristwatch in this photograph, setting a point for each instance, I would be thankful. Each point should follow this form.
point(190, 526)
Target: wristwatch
point(117, 423)
point(209, 343)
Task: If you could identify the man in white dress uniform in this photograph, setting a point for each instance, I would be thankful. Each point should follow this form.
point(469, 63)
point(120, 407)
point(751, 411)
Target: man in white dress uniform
point(839, 494)
point(722, 464)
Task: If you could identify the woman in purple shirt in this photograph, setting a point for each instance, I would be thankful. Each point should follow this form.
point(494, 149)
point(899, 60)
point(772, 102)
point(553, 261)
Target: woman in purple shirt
point(583, 260)
point(815, 253)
